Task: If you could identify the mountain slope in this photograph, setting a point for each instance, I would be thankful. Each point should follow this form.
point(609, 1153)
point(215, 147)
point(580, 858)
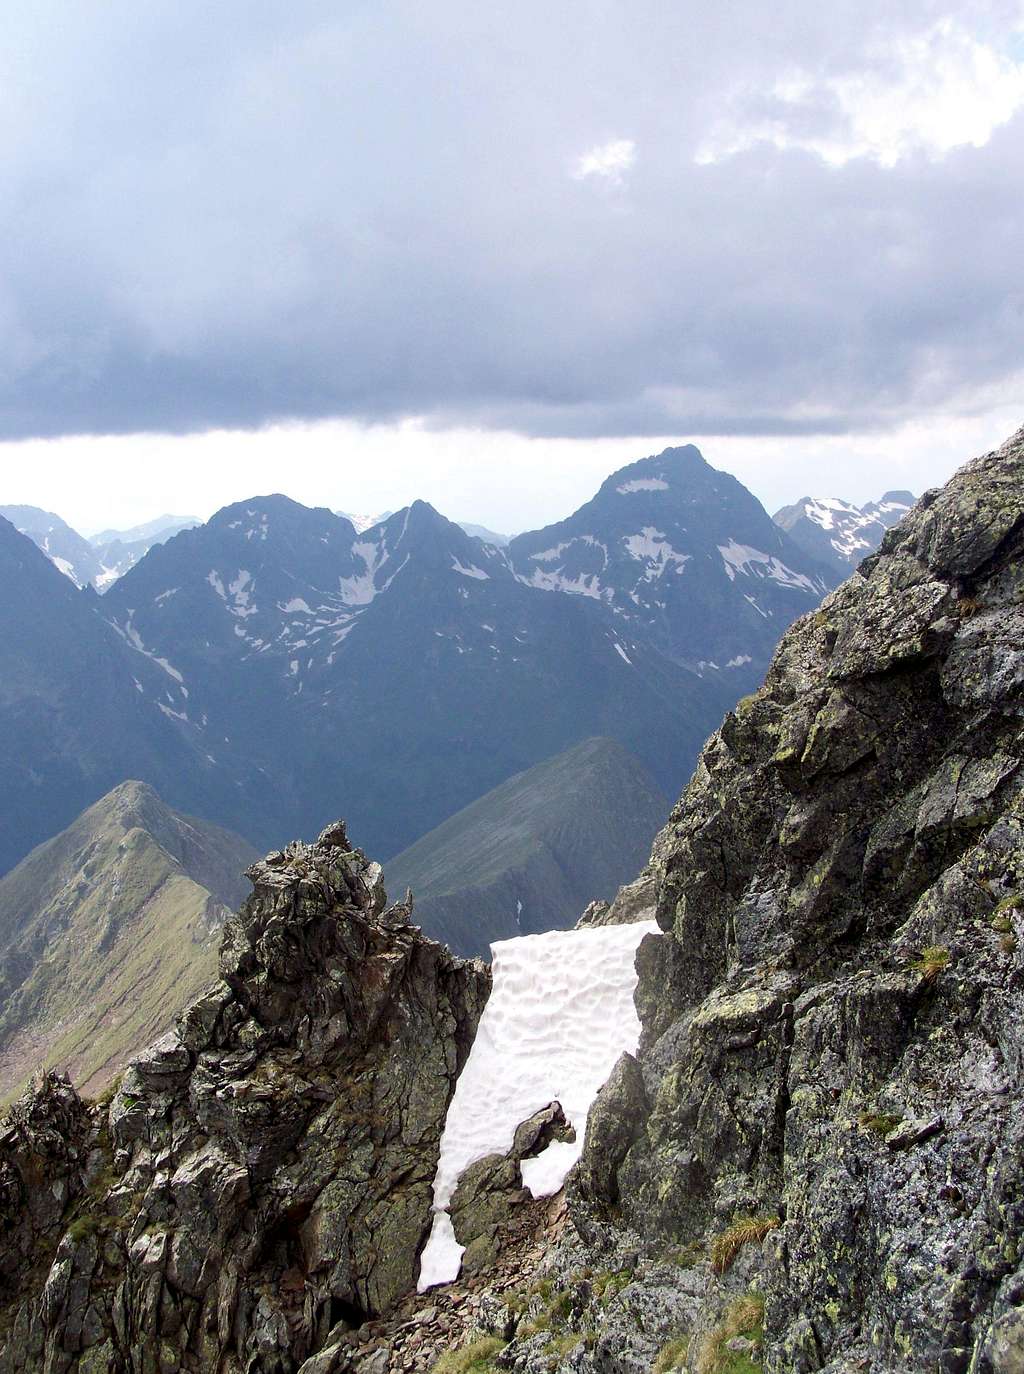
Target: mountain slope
point(151, 532)
point(81, 708)
point(95, 562)
point(106, 931)
point(833, 1055)
point(686, 558)
point(118, 551)
point(74, 556)
point(531, 854)
point(838, 533)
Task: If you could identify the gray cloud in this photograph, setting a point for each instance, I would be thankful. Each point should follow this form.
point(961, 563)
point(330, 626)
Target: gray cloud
point(225, 215)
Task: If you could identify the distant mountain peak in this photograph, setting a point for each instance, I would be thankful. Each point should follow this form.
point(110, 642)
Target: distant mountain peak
point(683, 553)
point(838, 531)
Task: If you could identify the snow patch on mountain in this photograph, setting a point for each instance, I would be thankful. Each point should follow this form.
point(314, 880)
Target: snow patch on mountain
point(642, 484)
point(650, 546)
point(560, 1014)
point(742, 559)
point(470, 571)
point(583, 585)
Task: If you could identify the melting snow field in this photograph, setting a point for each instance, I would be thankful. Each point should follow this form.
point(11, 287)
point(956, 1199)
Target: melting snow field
point(559, 1015)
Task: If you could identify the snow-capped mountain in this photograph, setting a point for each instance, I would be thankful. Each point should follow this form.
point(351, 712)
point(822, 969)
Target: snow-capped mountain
point(838, 532)
point(685, 558)
point(395, 675)
point(398, 673)
point(101, 560)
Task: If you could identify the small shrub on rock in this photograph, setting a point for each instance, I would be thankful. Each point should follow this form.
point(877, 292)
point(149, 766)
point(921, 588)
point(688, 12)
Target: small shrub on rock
point(932, 961)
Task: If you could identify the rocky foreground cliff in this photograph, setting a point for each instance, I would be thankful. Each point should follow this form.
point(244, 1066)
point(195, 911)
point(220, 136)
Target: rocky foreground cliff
point(827, 1099)
point(260, 1182)
point(814, 1162)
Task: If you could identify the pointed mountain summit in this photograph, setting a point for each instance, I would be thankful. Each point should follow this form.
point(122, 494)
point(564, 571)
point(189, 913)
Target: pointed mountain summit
point(838, 532)
point(685, 556)
point(106, 931)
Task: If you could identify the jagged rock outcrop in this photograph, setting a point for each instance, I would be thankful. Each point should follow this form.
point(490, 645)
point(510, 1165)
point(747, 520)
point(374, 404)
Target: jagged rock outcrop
point(260, 1183)
point(833, 1033)
point(491, 1188)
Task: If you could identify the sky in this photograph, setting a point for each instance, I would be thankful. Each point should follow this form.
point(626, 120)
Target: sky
point(367, 252)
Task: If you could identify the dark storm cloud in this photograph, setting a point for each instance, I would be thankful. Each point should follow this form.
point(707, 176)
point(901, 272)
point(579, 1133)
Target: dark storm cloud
point(223, 215)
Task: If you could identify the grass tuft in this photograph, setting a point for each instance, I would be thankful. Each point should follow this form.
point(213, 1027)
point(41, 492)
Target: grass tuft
point(881, 1123)
point(470, 1359)
point(744, 1230)
point(743, 1317)
point(671, 1356)
point(933, 960)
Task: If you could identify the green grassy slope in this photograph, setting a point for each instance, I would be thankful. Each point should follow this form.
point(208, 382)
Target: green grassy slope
point(570, 829)
point(106, 931)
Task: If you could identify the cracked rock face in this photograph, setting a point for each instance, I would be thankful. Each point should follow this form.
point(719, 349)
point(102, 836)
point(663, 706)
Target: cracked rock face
point(834, 1036)
point(261, 1181)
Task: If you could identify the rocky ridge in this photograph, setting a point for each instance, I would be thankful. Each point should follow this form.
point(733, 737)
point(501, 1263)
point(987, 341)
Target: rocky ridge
point(106, 931)
point(260, 1183)
point(830, 1074)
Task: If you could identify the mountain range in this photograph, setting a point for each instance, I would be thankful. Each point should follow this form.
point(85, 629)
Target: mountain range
point(275, 665)
point(838, 533)
point(807, 1150)
point(106, 930)
point(99, 561)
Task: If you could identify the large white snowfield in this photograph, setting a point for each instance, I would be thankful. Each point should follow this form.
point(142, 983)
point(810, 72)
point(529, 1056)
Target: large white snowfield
point(559, 1015)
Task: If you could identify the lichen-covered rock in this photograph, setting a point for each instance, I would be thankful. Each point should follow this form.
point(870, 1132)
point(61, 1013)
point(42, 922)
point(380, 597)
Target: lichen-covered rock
point(834, 1037)
point(261, 1180)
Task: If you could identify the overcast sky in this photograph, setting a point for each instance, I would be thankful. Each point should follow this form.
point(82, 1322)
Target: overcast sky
point(361, 252)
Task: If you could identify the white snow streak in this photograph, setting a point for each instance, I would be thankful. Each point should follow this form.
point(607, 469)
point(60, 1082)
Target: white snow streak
point(651, 547)
point(471, 571)
point(741, 558)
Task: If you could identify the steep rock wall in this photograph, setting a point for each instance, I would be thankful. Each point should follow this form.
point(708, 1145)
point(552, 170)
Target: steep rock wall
point(834, 1039)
